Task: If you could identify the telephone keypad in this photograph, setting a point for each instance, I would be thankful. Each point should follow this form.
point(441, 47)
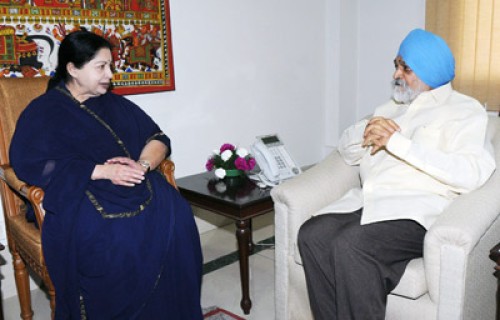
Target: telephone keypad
point(279, 158)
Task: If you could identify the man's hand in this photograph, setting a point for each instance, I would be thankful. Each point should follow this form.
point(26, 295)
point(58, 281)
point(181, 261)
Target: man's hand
point(378, 131)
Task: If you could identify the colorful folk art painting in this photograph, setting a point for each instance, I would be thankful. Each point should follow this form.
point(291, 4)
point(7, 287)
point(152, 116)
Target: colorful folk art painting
point(139, 30)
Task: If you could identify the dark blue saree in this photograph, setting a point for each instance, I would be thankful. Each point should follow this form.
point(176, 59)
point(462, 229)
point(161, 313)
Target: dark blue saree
point(112, 252)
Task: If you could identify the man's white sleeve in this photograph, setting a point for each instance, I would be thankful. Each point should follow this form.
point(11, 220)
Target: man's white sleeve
point(459, 160)
point(350, 143)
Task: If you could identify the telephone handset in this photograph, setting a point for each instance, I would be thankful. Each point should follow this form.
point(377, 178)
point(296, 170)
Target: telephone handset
point(273, 159)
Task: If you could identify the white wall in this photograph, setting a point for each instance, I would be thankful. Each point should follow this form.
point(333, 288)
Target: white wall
point(380, 34)
point(243, 68)
point(302, 69)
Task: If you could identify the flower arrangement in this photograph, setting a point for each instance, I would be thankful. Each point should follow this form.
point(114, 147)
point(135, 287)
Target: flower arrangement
point(229, 160)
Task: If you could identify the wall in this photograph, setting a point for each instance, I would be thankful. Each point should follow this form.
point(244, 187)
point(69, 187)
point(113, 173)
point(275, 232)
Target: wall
point(302, 69)
point(380, 34)
point(242, 69)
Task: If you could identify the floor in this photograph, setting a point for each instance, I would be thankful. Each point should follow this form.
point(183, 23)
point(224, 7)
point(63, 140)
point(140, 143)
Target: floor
point(221, 282)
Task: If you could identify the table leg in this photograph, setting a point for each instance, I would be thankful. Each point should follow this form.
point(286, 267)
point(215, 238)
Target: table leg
point(243, 234)
point(251, 245)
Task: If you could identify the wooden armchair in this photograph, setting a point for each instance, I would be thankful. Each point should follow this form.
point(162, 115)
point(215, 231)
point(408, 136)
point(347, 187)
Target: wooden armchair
point(24, 238)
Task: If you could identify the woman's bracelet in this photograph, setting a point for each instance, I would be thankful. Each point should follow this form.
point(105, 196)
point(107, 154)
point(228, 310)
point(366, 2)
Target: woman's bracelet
point(145, 164)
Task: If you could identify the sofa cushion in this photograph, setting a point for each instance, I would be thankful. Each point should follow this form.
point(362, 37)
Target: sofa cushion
point(412, 285)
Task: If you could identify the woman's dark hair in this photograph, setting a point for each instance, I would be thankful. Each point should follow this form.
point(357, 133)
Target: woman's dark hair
point(78, 47)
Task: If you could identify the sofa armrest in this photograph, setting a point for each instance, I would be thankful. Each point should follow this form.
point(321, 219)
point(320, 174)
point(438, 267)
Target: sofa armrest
point(294, 202)
point(456, 233)
point(297, 199)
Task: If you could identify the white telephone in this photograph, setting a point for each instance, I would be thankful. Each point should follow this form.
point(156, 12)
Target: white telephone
point(273, 159)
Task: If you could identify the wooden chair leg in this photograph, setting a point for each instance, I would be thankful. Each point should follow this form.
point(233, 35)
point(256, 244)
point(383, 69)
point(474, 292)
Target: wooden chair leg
point(52, 295)
point(23, 286)
point(1, 298)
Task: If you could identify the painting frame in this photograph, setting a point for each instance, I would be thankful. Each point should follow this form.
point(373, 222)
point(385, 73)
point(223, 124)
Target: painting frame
point(139, 30)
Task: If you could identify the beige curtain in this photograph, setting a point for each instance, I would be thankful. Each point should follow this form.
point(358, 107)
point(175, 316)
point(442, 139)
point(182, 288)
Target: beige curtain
point(472, 30)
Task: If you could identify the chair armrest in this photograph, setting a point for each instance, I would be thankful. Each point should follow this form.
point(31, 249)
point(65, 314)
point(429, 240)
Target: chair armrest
point(318, 186)
point(33, 194)
point(167, 168)
point(459, 229)
point(7, 174)
point(297, 199)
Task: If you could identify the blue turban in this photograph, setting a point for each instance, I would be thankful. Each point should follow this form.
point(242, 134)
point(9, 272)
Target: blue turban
point(429, 57)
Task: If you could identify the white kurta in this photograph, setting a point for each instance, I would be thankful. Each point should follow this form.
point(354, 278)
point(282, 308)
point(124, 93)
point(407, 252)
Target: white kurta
point(440, 152)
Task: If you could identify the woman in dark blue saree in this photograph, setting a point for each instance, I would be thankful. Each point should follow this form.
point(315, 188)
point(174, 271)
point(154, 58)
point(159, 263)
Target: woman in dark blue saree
point(118, 240)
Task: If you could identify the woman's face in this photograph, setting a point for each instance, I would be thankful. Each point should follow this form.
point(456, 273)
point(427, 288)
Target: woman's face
point(94, 78)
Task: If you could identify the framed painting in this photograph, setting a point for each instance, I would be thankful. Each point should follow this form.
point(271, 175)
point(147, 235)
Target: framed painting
point(139, 30)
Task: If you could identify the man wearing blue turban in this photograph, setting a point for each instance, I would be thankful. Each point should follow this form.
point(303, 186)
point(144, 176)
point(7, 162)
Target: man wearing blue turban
point(416, 154)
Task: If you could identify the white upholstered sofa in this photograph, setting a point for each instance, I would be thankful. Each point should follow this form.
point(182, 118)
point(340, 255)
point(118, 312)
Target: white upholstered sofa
point(454, 280)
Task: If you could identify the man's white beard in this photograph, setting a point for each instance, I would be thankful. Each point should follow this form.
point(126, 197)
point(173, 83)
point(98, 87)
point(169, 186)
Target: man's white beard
point(402, 93)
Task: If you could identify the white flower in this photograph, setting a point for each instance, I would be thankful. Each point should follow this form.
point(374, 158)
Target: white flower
point(216, 152)
point(226, 155)
point(242, 152)
point(220, 173)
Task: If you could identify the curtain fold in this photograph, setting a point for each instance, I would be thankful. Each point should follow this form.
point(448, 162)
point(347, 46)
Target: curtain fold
point(472, 30)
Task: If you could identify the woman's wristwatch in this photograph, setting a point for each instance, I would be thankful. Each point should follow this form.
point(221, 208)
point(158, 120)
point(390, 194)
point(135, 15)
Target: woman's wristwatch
point(145, 164)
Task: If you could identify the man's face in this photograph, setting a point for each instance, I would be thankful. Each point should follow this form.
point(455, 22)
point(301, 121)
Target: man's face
point(404, 72)
point(406, 85)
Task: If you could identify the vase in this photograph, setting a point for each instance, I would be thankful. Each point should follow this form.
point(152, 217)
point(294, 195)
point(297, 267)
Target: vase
point(234, 179)
point(232, 173)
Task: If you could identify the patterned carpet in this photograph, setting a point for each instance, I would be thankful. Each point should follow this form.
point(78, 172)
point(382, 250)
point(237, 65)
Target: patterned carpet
point(216, 313)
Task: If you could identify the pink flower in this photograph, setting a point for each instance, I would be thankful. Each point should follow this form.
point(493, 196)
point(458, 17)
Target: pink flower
point(241, 164)
point(226, 146)
point(244, 164)
point(210, 164)
point(251, 163)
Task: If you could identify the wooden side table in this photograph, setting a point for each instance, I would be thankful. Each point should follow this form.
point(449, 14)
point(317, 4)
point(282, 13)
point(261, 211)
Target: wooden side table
point(236, 198)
